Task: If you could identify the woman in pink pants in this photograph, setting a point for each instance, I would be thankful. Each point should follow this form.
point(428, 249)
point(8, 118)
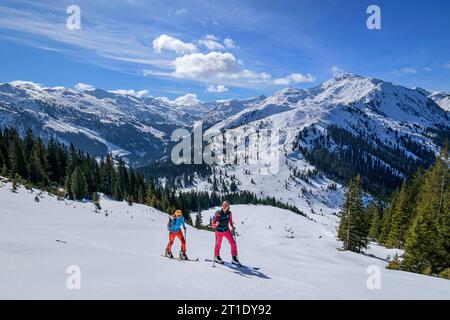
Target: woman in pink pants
point(223, 219)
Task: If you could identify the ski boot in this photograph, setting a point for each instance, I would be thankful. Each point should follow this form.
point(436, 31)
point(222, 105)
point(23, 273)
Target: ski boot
point(169, 254)
point(218, 260)
point(235, 261)
point(183, 256)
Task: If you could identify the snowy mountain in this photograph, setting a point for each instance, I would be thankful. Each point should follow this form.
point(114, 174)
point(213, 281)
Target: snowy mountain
point(442, 99)
point(333, 102)
point(328, 133)
point(117, 252)
point(226, 108)
point(97, 121)
point(347, 125)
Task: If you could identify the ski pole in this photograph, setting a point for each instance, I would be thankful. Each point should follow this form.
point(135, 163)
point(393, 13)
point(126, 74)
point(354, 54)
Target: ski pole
point(214, 257)
point(234, 236)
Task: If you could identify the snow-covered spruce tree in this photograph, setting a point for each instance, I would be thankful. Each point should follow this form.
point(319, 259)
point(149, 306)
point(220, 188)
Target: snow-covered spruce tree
point(427, 246)
point(353, 227)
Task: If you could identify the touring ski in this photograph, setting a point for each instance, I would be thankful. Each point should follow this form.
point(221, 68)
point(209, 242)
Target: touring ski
point(178, 259)
point(229, 264)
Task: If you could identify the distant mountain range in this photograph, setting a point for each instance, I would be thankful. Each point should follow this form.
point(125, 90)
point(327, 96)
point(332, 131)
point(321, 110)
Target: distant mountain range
point(356, 121)
point(99, 121)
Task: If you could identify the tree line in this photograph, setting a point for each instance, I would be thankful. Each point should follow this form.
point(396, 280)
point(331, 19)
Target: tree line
point(342, 155)
point(416, 219)
point(75, 174)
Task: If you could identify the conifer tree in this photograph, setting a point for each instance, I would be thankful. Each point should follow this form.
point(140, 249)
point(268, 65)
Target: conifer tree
point(4, 170)
point(16, 158)
point(2, 159)
point(141, 194)
point(68, 187)
point(78, 182)
point(427, 248)
point(198, 217)
point(401, 214)
point(118, 195)
point(373, 212)
point(14, 184)
point(386, 220)
point(353, 226)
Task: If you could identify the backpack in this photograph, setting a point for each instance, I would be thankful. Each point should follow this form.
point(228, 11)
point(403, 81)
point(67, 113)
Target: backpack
point(223, 221)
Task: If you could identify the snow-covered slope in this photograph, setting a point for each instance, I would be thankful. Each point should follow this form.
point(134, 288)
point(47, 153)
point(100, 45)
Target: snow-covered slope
point(442, 99)
point(383, 104)
point(95, 120)
point(223, 109)
point(392, 120)
point(119, 256)
point(139, 126)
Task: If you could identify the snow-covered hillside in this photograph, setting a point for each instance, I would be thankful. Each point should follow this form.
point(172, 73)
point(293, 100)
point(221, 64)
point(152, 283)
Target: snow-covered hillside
point(119, 256)
point(346, 101)
point(442, 99)
point(139, 126)
point(396, 124)
point(95, 120)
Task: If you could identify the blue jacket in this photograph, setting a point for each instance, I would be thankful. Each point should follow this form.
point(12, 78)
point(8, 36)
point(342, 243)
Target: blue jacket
point(174, 224)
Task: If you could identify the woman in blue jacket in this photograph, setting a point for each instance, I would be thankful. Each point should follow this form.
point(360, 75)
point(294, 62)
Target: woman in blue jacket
point(174, 226)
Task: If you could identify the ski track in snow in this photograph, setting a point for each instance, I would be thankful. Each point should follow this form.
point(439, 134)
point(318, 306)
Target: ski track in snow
point(119, 256)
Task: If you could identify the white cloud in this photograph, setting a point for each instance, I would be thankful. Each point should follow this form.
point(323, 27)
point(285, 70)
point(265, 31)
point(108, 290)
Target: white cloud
point(84, 87)
point(251, 76)
point(406, 71)
point(294, 78)
point(211, 42)
point(337, 71)
point(229, 43)
point(219, 67)
point(181, 11)
point(189, 99)
point(199, 65)
point(428, 69)
point(447, 65)
point(138, 94)
point(170, 43)
point(217, 89)
point(27, 85)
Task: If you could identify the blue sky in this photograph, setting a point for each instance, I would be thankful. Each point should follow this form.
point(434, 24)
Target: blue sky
point(223, 49)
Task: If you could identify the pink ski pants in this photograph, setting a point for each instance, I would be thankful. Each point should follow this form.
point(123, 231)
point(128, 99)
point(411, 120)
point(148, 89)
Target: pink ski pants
point(227, 234)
